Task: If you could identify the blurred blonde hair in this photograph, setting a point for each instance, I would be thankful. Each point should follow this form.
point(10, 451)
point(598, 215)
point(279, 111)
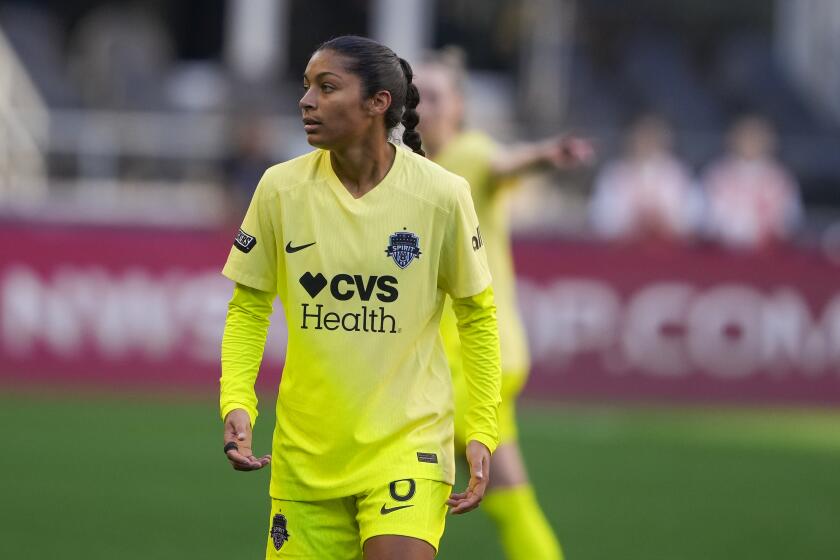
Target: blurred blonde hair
point(453, 59)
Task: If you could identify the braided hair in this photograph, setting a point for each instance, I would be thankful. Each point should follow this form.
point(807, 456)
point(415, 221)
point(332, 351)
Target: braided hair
point(410, 118)
point(379, 68)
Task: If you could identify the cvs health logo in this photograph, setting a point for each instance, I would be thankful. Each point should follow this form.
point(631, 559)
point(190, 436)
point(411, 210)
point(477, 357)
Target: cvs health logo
point(345, 287)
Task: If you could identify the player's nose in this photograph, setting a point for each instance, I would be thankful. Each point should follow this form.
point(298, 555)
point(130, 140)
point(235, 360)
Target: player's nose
point(308, 100)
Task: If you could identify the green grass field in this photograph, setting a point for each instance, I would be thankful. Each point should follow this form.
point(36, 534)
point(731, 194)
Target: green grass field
point(141, 478)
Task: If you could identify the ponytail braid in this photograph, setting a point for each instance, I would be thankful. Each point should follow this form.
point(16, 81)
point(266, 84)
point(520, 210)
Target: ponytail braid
point(410, 118)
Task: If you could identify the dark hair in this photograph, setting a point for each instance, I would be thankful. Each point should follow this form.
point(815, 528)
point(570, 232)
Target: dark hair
point(379, 68)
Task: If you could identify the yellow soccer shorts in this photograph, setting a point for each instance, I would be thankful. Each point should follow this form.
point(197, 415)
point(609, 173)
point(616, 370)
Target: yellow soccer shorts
point(512, 383)
point(337, 529)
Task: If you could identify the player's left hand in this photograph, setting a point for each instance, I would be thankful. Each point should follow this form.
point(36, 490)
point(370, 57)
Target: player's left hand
point(478, 457)
point(566, 152)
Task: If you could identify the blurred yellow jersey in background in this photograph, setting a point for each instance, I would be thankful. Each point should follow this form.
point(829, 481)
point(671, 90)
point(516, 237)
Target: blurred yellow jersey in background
point(470, 155)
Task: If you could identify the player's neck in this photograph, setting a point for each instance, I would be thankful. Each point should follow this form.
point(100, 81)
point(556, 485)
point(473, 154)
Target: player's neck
point(435, 144)
point(362, 166)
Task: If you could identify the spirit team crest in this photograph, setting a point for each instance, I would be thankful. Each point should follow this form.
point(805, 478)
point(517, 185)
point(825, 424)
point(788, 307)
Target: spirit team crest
point(279, 532)
point(404, 247)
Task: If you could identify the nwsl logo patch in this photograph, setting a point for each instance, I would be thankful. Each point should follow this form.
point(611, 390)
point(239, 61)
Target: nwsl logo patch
point(279, 533)
point(244, 242)
point(404, 247)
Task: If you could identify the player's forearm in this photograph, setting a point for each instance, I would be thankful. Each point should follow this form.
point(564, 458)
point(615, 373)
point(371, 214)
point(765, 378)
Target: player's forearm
point(479, 333)
point(518, 158)
point(243, 343)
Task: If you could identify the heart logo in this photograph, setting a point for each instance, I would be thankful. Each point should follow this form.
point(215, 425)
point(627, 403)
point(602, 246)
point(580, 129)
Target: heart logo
point(313, 284)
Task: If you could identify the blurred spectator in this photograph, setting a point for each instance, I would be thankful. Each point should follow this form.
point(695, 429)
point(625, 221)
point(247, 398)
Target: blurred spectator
point(752, 199)
point(120, 56)
point(648, 194)
point(250, 157)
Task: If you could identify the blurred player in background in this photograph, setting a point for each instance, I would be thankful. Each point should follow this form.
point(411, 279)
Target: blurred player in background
point(361, 240)
point(753, 201)
point(491, 170)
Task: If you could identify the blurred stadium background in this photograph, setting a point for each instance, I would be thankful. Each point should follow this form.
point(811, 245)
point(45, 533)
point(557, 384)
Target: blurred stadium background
point(682, 296)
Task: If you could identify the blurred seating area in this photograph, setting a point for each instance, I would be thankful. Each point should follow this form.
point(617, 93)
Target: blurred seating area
point(186, 101)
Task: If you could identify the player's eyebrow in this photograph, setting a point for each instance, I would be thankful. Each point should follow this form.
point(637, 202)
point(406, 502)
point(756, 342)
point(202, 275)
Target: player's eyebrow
point(322, 74)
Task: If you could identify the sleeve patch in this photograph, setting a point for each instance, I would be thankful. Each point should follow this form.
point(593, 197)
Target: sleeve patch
point(244, 242)
point(477, 240)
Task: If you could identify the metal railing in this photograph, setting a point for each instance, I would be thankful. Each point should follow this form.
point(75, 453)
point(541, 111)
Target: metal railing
point(24, 124)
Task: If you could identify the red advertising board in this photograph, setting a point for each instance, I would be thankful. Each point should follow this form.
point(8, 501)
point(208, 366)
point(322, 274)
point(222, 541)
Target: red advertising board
point(146, 307)
point(698, 323)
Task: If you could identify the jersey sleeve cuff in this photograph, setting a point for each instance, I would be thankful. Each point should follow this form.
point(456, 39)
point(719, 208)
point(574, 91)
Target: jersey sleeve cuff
point(252, 281)
point(252, 412)
point(489, 442)
point(473, 289)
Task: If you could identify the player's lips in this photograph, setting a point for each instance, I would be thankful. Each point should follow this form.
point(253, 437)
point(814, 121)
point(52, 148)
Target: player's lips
point(310, 124)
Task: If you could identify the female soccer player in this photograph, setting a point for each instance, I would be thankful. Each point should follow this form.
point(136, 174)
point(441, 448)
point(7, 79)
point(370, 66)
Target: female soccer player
point(510, 502)
point(361, 240)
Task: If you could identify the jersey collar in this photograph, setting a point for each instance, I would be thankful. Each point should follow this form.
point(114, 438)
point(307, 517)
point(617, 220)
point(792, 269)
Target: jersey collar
point(375, 193)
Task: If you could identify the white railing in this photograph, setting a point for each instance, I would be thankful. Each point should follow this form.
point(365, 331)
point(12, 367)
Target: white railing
point(98, 139)
point(24, 124)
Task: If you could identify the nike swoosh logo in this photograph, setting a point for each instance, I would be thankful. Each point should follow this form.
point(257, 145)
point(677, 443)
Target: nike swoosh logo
point(386, 511)
point(290, 249)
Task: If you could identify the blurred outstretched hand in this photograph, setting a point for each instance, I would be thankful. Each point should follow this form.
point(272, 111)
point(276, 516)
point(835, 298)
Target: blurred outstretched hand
point(566, 152)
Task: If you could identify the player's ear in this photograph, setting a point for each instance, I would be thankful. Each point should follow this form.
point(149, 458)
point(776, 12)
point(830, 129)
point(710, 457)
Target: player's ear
point(379, 103)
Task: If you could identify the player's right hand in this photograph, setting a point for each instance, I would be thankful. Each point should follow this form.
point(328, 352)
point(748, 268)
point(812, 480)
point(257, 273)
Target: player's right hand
point(568, 152)
point(238, 431)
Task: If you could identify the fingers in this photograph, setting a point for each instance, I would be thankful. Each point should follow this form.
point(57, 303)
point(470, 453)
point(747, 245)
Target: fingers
point(253, 467)
point(464, 502)
point(243, 460)
point(456, 498)
point(464, 506)
point(237, 458)
point(246, 469)
point(572, 151)
point(580, 150)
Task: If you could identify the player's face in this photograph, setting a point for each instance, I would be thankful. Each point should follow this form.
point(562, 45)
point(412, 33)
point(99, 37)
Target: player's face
point(333, 111)
point(440, 108)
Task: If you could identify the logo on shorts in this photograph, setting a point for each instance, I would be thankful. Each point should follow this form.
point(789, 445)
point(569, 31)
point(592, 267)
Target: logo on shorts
point(244, 242)
point(400, 497)
point(279, 533)
point(404, 247)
